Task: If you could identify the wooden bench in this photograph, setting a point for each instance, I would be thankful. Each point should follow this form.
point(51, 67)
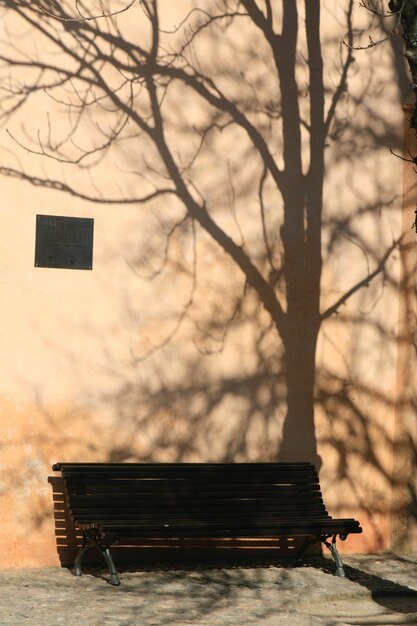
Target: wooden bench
point(109, 502)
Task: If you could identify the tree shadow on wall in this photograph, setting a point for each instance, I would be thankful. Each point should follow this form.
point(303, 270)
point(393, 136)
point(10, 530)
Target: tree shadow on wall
point(261, 237)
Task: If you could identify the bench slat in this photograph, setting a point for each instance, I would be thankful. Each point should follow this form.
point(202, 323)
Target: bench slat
point(149, 497)
point(183, 469)
point(176, 496)
point(275, 522)
point(198, 503)
point(223, 492)
point(174, 482)
point(183, 466)
point(185, 486)
point(264, 528)
point(101, 514)
point(170, 518)
point(249, 505)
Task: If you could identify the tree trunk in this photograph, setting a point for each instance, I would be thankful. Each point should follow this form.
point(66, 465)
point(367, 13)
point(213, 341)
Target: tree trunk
point(298, 438)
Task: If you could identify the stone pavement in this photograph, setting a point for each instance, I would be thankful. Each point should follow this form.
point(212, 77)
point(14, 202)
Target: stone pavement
point(379, 590)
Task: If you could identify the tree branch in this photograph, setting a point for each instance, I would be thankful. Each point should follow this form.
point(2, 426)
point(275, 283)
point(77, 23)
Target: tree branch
point(81, 17)
point(60, 186)
point(362, 283)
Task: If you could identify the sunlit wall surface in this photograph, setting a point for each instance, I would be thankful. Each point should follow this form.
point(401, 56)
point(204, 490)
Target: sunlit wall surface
point(172, 348)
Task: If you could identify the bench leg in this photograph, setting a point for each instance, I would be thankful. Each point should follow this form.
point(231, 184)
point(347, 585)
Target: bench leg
point(114, 576)
point(76, 570)
point(335, 554)
point(94, 539)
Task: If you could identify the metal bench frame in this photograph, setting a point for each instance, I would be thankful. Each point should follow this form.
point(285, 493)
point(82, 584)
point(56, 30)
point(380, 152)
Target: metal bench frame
point(109, 502)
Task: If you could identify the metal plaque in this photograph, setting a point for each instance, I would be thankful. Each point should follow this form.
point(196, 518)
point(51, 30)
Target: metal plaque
point(64, 242)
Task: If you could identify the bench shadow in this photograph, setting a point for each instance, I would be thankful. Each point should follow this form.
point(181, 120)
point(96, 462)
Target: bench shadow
point(217, 584)
point(391, 596)
point(67, 538)
point(384, 591)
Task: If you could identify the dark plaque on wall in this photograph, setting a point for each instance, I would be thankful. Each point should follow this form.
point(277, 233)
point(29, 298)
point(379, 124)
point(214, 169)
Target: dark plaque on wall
point(65, 242)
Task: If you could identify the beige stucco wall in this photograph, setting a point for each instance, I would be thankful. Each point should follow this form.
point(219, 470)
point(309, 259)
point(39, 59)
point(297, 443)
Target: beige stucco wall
point(96, 366)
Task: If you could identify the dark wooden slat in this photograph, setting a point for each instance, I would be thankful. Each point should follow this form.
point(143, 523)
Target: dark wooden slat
point(180, 499)
point(271, 522)
point(266, 529)
point(201, 506)
point(245, 531)
point(269, 474)
point(181, 525)
point(181, 466)
point(250, 480)
point(134, 514)
point(151, 486)
point(188, 495)
point(259, 533)
point(169, 498)
point(201, 503)
point(179, 520)
point(204, 513)
point(326, 522)
point(190, 469)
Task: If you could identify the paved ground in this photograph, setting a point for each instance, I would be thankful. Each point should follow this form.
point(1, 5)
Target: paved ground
point(379, 590)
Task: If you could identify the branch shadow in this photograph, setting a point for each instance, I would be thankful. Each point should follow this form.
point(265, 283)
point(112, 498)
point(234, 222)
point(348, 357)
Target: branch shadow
point(214, 385)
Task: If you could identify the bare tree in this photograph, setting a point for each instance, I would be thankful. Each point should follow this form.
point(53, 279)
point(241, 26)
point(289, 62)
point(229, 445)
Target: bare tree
point(407, 11)
point(405, 14)
point(163, 104)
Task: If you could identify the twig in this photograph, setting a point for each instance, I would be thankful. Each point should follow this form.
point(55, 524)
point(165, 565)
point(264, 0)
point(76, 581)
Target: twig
point(85, 18)
point(394, 31)
point(362, 283)
point(190, 301)
point(370, 8)
point(411, 160)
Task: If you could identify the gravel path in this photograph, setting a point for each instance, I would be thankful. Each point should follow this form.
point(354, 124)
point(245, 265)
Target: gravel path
point(378, 590)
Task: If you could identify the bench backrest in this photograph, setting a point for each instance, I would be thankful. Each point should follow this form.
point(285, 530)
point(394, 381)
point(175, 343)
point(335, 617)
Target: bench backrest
point(238, 492)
